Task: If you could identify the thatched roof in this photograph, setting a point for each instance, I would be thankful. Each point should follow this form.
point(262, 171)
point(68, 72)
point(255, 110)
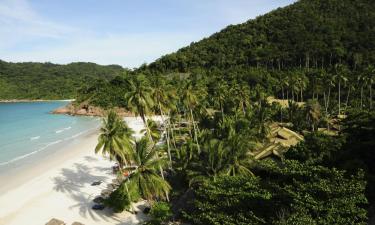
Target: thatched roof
point(278, 141)
point(284, 103)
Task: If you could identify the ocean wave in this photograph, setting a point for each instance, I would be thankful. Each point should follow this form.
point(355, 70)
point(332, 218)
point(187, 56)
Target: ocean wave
point(47, 145)
point(30, 153)
point(34, 138)
point(62, 130)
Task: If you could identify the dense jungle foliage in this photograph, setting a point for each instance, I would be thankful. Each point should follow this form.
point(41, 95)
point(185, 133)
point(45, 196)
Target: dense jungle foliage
point(50, 81)
point(309, 33)
point(316, 55)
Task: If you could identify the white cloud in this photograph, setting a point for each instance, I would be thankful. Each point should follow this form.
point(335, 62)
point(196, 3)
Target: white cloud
point(127, 50)
point(19, 23)
point(25, 35)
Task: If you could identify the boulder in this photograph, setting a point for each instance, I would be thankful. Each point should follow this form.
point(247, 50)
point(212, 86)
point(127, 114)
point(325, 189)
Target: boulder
point(55, 222)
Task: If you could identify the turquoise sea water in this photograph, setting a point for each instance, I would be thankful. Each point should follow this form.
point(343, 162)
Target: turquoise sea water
point(28, 129)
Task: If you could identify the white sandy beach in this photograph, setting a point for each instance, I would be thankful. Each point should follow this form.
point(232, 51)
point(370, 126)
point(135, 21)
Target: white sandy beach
point(60, 187)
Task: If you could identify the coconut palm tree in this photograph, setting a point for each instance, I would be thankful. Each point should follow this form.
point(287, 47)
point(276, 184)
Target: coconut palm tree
point(351, 87)
point(115, 139)
point(313, 113)
point(301, 82)
point(340, 76)
point(362, 82)
point(241, 96)
point(329, 84)
point(165, 101)
point(211, 163)
point(220, 95)
point(139, 99)
point(152, 128)
point(150, 184)
point(221, 157)
point(238, 160)
point(370, 79)
point(190, 101)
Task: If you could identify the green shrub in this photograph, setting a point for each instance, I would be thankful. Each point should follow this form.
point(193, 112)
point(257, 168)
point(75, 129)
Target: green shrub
point(119, 199)
point(160, 213)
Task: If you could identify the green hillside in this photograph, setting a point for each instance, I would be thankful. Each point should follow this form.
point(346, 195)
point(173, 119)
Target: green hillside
point(226, 134)
point(309, 33)
point(50, 81)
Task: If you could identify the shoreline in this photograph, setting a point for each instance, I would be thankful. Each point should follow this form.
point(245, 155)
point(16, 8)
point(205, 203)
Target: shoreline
point(59, 186)
point(24, 173)
point(34, 100)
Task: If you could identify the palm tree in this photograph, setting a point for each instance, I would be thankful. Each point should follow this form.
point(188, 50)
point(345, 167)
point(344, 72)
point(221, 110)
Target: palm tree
point(164, 98)
point(313, 113)
point(212, 162)
point(370, 78)
point(139, 99)
point(241, 96)
point(329, 83)
point(221, 157)
point(152, 128)
point(351, 87)
point(190, 101)
point(115, 139)
point(185, 154)
point(238, 159)
point(362, 81)
point(220, 95)
point(301, 82)
point(150, 184)
point(341, 76)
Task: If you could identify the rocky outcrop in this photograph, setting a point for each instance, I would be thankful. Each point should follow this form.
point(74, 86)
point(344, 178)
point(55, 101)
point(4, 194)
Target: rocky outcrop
point(85, 109)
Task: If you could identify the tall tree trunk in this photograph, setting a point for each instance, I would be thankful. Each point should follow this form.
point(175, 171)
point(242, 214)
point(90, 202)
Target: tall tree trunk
point(325, 102)
point(222, 111)
point(329, 96)
point(361, 97)
point(347, 99)
point(172, 134)
point(167, 124)
point(195, 130)
point(293, 95)
point(370, 95)
point(339, 96)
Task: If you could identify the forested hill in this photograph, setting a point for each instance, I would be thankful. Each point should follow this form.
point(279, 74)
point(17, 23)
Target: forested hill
point(50, 81)
point(308, 33)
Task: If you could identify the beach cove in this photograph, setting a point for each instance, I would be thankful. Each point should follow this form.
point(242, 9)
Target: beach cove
point(60, 187)
point(56, 182)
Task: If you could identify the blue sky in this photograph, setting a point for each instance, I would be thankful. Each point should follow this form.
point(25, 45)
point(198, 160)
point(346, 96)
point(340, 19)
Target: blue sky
point(122, 32)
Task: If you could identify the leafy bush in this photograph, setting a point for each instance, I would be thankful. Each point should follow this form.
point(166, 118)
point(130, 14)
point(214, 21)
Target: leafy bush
point(160, 213)
point(293, 193)
point(119, 199)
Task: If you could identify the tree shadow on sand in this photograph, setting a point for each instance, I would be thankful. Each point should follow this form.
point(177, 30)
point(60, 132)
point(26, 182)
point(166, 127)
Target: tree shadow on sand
point(73, 181)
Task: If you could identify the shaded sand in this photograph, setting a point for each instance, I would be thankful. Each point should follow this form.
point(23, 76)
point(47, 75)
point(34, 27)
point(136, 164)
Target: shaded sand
point(60, 187)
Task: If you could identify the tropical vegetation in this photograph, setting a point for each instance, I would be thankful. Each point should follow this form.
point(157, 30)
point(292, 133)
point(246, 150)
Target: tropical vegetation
point(308, 67)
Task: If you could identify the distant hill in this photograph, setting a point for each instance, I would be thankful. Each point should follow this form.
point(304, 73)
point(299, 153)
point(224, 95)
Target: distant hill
point(50, 81)
point(308, 33)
